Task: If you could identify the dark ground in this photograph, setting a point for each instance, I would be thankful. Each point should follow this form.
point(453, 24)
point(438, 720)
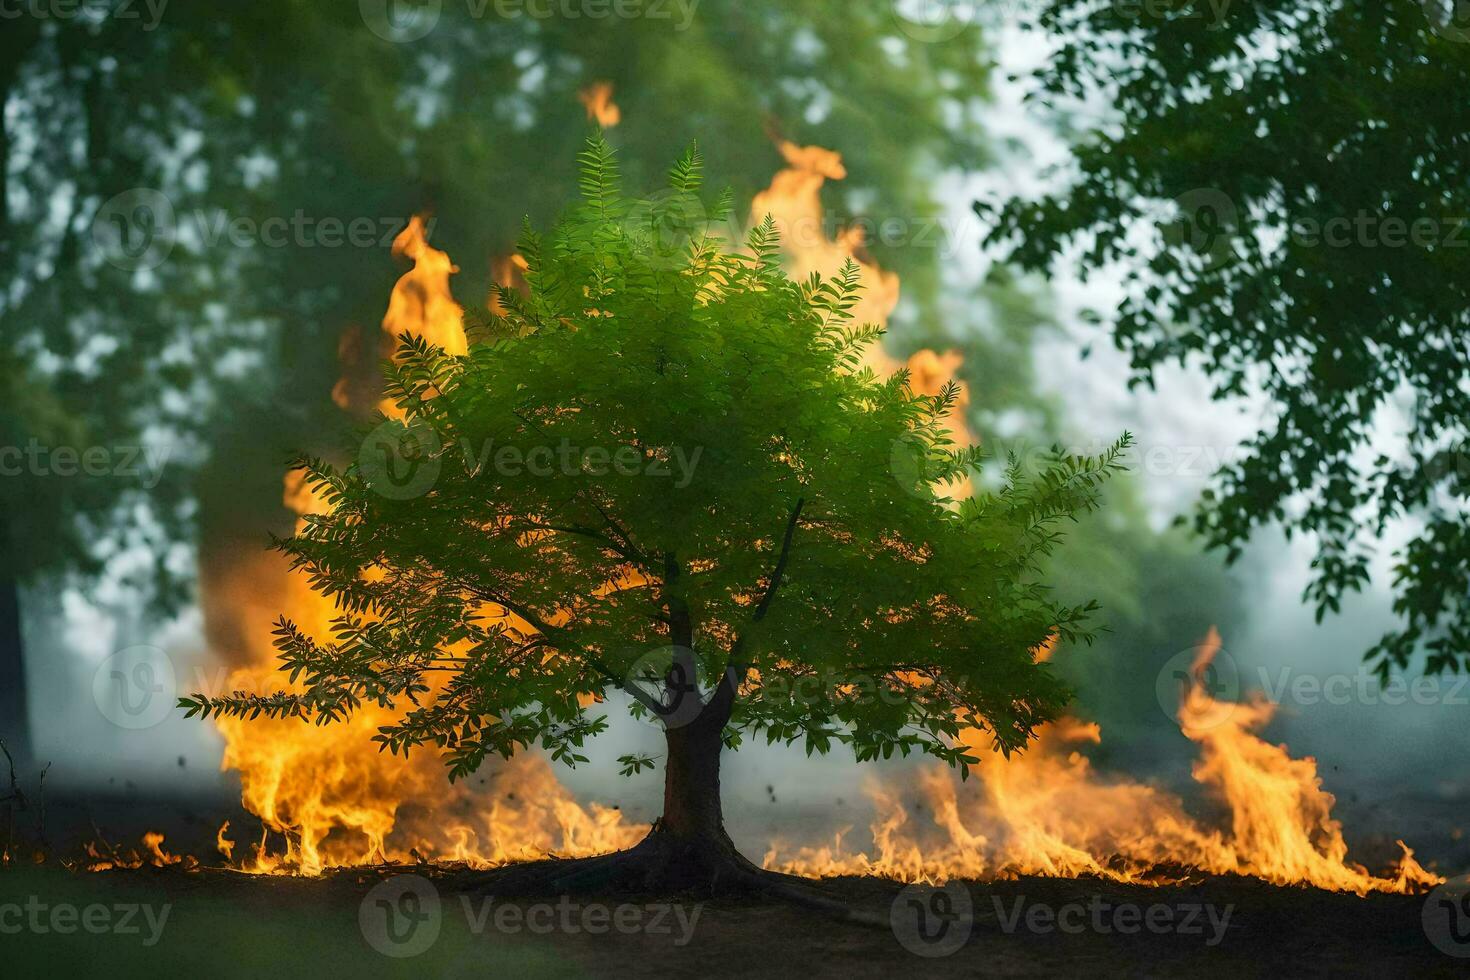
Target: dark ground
point(224, 924)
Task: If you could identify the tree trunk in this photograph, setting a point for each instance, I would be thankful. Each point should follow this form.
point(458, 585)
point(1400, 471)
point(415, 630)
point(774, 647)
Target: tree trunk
point(14, 719)
point(688, 848)
point(692, 782)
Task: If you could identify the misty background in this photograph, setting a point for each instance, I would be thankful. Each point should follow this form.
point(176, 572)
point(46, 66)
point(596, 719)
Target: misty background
point(1397, 768)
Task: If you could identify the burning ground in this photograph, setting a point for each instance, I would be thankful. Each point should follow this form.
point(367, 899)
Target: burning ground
point(326, 797)
point(228, 924)
point(326, 819)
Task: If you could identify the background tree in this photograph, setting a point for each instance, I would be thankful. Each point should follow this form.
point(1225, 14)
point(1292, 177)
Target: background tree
point(1322, 264)
point(731, 521)
point(220, 348)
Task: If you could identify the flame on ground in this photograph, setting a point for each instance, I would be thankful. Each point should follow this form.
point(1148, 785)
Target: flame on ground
point(325, 794)
point(327, 797)
point(598, 101)
point(102, 856)
point(1046, 811)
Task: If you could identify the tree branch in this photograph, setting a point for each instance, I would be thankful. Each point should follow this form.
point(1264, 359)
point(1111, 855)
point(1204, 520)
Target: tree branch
point(736, 668)
point(551, 632)
point(780, 569)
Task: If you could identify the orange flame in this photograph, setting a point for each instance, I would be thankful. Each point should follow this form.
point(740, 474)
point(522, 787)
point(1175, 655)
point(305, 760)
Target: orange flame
point(327, 797)
point(101, 856)
point(793, 200)
point(601, 109)
point(1045, 811)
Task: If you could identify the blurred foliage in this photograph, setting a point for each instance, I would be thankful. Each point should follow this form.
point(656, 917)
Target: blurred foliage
point(1158, 593)
point(886, 617)
point(225, 351)
point(224, 354)
point(1285, 186)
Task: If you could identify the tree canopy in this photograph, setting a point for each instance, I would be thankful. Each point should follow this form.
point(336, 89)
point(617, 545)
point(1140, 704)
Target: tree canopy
point(196, 128)
point(670, 454)
point(1323, 265)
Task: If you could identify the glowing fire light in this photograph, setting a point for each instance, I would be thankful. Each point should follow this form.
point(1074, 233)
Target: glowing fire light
point(327, 797)
point(601, 109)
point(104, 857)
point(1047, 812)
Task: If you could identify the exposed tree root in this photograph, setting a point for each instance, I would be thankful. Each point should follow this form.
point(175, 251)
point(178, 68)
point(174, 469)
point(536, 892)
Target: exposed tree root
point(662, 864)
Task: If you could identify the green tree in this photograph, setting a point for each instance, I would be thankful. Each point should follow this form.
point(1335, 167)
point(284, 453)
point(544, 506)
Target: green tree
point(128, 147)
point(731, 521)
point(1303, 171)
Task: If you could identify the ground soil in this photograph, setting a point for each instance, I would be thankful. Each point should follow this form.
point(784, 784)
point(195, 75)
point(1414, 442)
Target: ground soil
point(225, 924)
